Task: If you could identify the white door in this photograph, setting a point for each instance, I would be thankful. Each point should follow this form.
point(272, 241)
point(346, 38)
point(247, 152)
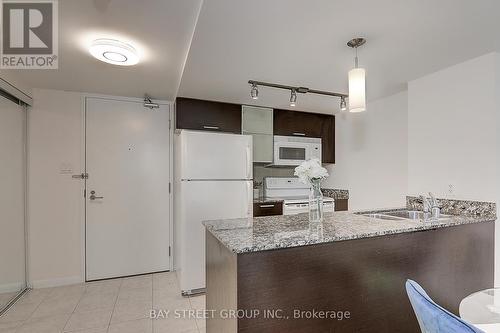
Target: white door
point(127, 190)
point(223, 156)
point(207, 200)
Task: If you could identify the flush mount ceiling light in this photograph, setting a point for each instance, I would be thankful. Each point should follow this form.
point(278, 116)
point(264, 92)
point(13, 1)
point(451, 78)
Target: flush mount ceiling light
point(357, 80)
point(114, 52)
point(293, 92)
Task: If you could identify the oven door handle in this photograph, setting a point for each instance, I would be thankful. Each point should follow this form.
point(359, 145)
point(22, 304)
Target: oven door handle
point(292, 209)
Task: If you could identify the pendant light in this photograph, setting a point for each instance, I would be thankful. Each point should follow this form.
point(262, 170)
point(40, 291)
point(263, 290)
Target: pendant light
point(357, 80)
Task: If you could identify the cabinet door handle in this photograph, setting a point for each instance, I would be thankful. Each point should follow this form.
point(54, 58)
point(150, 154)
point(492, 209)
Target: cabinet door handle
point(266, 206)
point(211, 127)
point(299, 134)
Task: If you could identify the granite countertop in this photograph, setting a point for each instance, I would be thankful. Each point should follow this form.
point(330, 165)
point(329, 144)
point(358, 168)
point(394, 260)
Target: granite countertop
point(266, 200)
point(277, 232)
point(335, 193)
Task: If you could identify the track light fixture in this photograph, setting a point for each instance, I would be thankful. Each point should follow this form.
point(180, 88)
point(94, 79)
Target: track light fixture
point(254, 92)
point(343, 104)
point(293, 92)
point(293, 98)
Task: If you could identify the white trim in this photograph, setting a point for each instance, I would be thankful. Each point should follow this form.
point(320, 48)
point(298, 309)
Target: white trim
point(27, 257)
point(19, 94)
point(171, 182)
point(83, 186)
point(11, 287)
point(123, 98)
point(56, 282)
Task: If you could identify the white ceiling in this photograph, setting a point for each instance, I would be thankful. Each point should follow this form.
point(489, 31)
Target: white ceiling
point(299, 42)
point(161, 30)
point(293, 42)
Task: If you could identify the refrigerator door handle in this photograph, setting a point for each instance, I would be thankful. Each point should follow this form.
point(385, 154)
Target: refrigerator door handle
point(249, 193)
point(249, 159)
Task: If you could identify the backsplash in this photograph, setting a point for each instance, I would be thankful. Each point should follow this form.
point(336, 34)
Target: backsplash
point(335, 193)
point(458, 207)
point(259, 172)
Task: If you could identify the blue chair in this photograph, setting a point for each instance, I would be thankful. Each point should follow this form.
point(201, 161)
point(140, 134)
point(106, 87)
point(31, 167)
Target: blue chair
point(433, 318)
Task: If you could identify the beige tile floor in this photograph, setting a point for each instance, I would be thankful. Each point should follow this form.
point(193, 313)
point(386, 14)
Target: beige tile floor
point(5, 298)
point(113, 306)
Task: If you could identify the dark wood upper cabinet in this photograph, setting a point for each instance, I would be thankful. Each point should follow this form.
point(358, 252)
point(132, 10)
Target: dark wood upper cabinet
point(197, 114)
point(296, 123)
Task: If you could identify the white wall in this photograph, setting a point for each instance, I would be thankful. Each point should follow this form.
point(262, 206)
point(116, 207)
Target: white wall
point(452, 133)
point(454, 118)
point(371, 154)
point(55, 199)
point(56, 205)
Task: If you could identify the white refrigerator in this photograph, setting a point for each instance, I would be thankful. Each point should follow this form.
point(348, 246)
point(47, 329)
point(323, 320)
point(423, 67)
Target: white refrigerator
point(213, 180)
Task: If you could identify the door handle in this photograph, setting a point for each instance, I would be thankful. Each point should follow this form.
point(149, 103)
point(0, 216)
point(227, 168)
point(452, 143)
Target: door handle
point(93, 196)
point(299, 134)
point(211, 127)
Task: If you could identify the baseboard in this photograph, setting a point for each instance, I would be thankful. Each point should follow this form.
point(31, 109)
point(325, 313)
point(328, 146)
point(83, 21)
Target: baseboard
point(11, 287)
point(56, 282)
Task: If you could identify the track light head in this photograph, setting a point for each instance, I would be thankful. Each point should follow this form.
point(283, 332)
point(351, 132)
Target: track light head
point(343, 104)
point(254, 92)
point(293, 98)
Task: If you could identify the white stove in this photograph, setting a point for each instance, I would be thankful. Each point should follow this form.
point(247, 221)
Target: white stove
point(295, 195)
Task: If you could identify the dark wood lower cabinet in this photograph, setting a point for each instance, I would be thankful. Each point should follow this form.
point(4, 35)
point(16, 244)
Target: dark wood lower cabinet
point(267, 208)
point(341, 205)
point(365, 277)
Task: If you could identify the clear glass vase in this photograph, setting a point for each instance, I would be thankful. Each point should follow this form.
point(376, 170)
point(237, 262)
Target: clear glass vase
point(315, 202)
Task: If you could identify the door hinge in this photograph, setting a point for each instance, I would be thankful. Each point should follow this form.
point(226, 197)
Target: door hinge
point(169, 187)
point(81, 176)
point(169, 251)
point(84, 193)
point(169, 124)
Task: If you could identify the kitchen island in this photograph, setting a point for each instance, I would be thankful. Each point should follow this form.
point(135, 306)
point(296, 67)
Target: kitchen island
point(346, 274)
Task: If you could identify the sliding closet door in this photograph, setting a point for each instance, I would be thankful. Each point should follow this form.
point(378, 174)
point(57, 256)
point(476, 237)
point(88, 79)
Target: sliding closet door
point(12, 180)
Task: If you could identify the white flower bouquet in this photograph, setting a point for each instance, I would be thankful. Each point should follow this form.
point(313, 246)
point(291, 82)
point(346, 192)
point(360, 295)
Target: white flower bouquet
point(311, 172)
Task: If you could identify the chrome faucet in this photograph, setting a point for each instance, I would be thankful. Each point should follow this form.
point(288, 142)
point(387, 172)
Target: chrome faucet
point(435, 208)
point(430, 206)
point(426, 206)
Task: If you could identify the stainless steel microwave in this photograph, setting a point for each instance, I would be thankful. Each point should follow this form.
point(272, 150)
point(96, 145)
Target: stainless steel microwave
point(292, 150)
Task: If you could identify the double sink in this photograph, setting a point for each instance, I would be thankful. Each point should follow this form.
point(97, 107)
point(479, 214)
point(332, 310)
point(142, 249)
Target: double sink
point(396, 215)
